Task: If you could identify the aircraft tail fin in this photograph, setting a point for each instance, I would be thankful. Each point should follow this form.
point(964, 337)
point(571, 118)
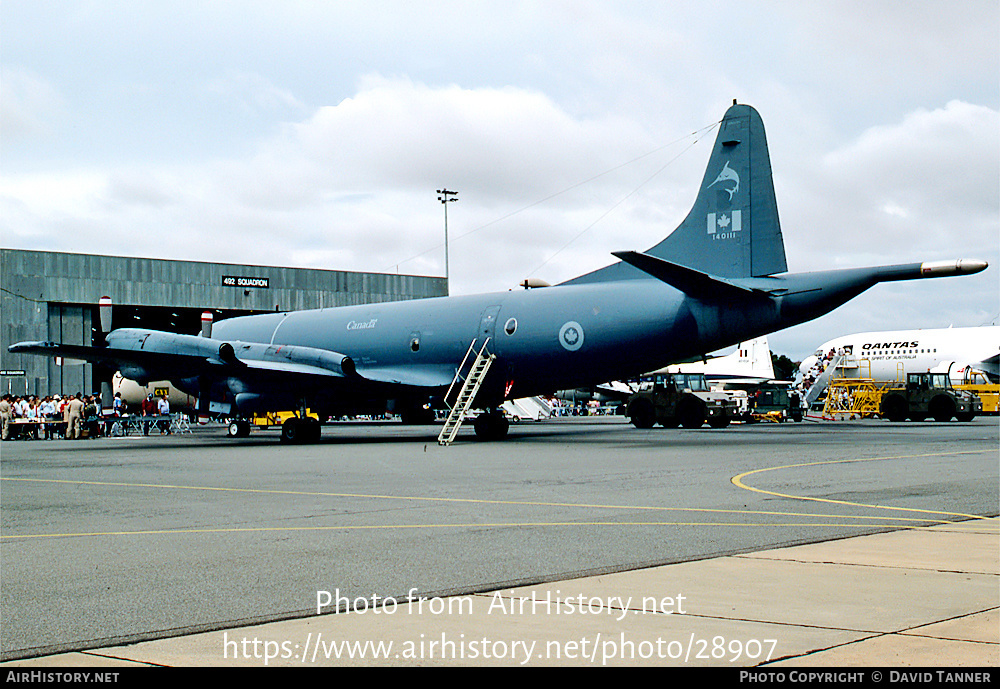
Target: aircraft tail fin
point(751, 361)
point(732, 230)
point(759, 352)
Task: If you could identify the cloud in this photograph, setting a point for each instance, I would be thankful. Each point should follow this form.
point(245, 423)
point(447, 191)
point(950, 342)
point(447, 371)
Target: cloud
point(359, 176)
point(499, 142)
point(352, 186)
point(369, 167)
point(920, 188)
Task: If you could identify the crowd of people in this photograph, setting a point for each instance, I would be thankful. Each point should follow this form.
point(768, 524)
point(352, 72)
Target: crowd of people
point(72, 416)
point(816, 370)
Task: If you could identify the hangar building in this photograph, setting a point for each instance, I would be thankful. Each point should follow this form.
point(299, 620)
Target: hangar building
point(46, 295)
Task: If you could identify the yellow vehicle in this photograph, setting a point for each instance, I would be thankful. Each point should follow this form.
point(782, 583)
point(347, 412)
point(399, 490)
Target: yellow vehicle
point(277, 418)
point(854, 398)
point(977, 383)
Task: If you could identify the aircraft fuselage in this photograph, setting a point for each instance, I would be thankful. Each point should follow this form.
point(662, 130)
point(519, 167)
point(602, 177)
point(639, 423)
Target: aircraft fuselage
point(544, 339)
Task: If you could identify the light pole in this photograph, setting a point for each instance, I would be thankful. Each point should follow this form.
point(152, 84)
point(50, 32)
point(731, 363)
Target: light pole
point(444, 199)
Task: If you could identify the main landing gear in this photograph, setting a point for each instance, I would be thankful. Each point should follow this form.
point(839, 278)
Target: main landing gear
point(491, 425)
point(301, 430)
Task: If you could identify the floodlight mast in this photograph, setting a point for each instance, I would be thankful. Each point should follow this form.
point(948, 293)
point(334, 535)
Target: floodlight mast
point(444, 199)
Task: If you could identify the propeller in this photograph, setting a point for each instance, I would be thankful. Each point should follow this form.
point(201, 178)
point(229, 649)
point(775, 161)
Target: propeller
point(104, 311)
point(204, 384)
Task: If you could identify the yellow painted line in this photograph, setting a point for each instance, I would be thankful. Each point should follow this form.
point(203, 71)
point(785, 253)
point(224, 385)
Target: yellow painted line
point(738, 482)
point(479, 501)
point(265, 529)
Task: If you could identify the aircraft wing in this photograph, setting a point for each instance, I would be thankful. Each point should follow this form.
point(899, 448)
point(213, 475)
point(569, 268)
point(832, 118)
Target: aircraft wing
point(145, 355)
point(411, 376)
point(991, 365)
point(95, 355)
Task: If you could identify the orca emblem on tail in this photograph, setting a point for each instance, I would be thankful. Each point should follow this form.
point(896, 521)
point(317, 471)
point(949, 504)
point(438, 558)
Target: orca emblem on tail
point(727, 175)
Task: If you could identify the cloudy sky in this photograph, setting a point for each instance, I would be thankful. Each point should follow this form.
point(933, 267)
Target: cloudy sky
point(315, 134)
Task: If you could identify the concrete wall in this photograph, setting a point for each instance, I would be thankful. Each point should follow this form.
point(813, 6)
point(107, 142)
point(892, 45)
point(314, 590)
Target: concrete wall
point(53, 296)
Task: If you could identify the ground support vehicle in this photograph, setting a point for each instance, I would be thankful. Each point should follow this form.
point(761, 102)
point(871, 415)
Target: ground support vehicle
point(672, 399)
point(979, 384)
point(929, 395)
point(854, 398)
point(774, 403)
point(295, 428)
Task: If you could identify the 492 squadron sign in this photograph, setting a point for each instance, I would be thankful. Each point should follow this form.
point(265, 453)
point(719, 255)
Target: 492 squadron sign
point(244, 281)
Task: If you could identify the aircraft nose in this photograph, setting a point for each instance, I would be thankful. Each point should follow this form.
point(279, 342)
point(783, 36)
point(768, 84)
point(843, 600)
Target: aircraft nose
point(807, 364)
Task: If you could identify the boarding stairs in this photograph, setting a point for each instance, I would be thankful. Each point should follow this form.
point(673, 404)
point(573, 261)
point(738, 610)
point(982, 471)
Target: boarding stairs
point(467, 392)
point(532, 408)
point(854, 398)
point(838, 367)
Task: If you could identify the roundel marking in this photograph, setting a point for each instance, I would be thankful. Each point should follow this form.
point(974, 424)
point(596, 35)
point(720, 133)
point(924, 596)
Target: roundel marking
point(571, 336)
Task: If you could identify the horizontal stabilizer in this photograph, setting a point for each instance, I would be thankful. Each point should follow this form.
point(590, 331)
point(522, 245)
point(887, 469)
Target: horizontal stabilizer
point(692, 282)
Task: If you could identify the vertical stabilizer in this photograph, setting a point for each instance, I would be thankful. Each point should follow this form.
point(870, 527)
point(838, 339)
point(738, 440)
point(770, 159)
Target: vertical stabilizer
point(732, 231)
point(751, 361)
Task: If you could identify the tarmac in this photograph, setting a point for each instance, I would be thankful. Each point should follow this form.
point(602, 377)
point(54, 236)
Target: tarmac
point(921, 597)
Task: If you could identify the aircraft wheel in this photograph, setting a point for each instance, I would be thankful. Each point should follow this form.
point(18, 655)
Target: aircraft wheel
point(416, 416)
point(491, 426)
point(296, 430)
point(292, 431)
point(311, 430)
point(719, 422)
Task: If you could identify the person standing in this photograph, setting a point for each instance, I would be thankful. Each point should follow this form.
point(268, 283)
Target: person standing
point(5, 415)
point(32, 414)
point(62, 404)
point(163, 409)
point(47, 412)
point(91, 414)
point(74, 417)
point(148, 409)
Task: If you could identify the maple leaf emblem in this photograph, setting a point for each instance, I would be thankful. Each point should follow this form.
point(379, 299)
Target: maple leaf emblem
point(723, 221)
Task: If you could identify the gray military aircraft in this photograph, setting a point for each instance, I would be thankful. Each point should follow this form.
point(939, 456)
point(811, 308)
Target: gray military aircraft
point(719, 278)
